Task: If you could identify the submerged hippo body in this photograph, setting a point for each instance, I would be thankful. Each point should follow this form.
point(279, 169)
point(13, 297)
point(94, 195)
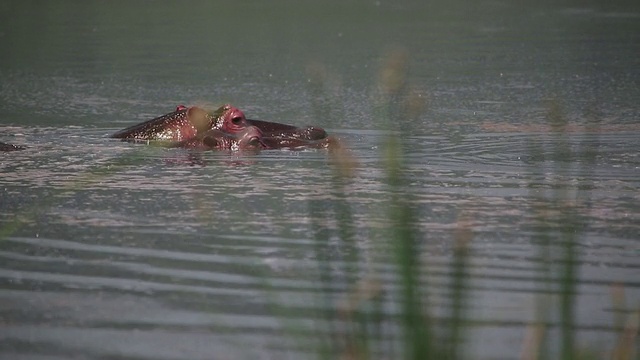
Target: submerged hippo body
point(182, 124)
point(226, 128)
point(250, 138)
point(10, 147)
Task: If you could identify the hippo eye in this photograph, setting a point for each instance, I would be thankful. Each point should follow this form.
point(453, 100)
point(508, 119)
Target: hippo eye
point(237, 120)
point(254, 141)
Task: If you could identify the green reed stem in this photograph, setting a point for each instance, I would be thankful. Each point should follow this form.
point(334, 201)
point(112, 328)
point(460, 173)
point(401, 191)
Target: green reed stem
point(457, 289)
point(567, 291)
point(415, 326)
point(562, 156)
point(328, 346)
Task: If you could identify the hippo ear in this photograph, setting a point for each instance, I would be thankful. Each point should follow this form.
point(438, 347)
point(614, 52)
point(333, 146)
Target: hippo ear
point(221, 110)
point(199, 118)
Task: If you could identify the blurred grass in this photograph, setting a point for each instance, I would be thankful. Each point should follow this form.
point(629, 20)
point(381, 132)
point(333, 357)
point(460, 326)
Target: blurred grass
point(362, 326)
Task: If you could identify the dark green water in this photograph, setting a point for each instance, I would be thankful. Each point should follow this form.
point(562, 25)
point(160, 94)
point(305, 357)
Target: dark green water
point(130, 251)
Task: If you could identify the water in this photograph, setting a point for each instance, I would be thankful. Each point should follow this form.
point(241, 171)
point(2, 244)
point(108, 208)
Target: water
point(118, 250)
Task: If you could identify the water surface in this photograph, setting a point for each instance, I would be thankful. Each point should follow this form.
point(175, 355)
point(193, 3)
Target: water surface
point(120, 250)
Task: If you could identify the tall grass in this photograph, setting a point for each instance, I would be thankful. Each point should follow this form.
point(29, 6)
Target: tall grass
point(364, 328)
point(361, 324)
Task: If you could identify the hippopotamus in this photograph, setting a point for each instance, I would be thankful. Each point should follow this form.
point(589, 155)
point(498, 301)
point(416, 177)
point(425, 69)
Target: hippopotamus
point(225, 128)
point(10, 147)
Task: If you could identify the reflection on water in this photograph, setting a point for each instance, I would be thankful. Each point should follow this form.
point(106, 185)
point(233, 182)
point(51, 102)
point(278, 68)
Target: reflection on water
point(117, 250)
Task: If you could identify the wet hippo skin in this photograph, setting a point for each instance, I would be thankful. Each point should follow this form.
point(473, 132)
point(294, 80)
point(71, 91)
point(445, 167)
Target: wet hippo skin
point(10, 147)
point(225, 128)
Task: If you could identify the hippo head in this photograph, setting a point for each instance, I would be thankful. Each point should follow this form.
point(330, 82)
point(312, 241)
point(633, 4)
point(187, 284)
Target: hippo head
point(249, 138)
